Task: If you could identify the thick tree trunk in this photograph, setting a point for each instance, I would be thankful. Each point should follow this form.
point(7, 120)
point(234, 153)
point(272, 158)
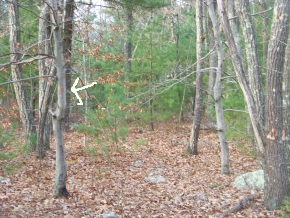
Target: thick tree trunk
point(67, 48)
point(58, 114)
point(277, 185)
point(225, 166)
point(286, 100)
point(26, 114)
point(192, 149)
point(286, 87)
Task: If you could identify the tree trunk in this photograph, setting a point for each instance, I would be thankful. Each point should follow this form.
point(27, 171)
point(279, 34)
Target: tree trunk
point(128, 43)
point(252, 55)
point(46, 67)
point(241, 76)
point(269, 141)
point(265, 35)
point(277, 185)
point(225, 166)
point(234, 26)
point(33, 93)
point(151, 82)
point(192, 149)
point(254, 72)
point(286, 100)
point(67, 48)
point(58, 114)
point(212, 64)
point(26, 114)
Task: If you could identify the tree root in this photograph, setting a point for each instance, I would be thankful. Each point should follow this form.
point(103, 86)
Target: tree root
point(61, 193)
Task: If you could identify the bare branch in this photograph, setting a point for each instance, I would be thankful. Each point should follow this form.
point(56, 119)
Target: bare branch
point(234, 110)
point(262, 12)
point(30, 78)
point(94, 5)
point(40, 57)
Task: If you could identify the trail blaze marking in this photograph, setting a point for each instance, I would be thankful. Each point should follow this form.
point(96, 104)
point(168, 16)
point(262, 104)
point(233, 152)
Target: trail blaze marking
point(75, 90)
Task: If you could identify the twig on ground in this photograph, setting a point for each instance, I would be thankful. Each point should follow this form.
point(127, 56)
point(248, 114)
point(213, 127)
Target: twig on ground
point(241, 205)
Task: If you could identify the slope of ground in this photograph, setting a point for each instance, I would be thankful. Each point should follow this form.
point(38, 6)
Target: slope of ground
point(102, 182)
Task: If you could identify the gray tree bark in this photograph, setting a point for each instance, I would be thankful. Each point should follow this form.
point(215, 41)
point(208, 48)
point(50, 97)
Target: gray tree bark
point(234, 26)
point(67, 47)
point(58, 114)
point(128, 43)
point(286, 100)
point(212, 64)
point(241, 76)
point(269, 140)
point(225, 166)
point(252, 55)
point(254, 72)
point(46, 67)
point(192, 148)
point(26, 114)
point(277, 184)
point(265, 34)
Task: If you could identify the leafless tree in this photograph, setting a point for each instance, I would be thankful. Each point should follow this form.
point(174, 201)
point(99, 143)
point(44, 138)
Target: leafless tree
point(192, 148)
point(221, 127)
point(58, 114)
point(26, 113)
point(270, 138)
point(46, 67)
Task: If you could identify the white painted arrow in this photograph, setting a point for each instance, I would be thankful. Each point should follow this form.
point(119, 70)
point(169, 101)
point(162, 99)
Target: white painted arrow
point(75, 91)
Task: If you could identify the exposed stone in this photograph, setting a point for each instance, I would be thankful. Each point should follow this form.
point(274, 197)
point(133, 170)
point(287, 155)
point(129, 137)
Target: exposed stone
point(250, 181)
point(185, 144)
point(155, 173)
point(134, 169)
point(156, 179)
point(4, 180)
point(160, 166)
point(110, 215)
point(139, 163)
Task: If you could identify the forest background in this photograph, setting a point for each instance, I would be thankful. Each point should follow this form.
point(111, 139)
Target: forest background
point(152, 61)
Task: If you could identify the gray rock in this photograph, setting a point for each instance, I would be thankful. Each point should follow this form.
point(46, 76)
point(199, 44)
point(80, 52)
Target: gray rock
point(185, 144)
point(250, 181)
point(156, 179)
point(160, 166)
point(139, 163)
point(4, 180)
point(155, 173)
point(134, 169)
point(110, 215)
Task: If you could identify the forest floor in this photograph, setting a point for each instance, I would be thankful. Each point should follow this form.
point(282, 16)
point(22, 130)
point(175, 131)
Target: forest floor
point(100, 183)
